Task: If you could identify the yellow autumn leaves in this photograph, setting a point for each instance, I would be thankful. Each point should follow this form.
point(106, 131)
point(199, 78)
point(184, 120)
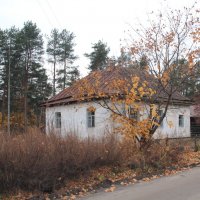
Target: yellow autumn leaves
point(17, 120)
point(123, 95)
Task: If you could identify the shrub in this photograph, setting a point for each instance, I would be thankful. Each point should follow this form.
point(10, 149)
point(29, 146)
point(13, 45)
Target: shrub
point(37, 161)
point(159, 155)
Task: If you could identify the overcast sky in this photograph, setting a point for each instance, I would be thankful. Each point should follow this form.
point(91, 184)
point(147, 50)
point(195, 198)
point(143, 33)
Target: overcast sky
point(89, 20)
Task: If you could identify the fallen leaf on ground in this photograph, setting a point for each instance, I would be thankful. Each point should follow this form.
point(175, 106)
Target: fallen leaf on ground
point(111, 189)
point(72, 197)
point(146, 179)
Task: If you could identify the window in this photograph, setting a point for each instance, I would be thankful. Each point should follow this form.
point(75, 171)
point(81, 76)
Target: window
point(58, 119)
point(91, 118)
point(181, 121)
point(160, 114)
point(133, 114)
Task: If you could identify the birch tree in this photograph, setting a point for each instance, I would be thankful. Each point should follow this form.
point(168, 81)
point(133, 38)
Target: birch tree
point(168, 38)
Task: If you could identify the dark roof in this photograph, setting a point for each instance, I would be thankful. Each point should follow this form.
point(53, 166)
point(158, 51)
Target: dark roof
point(196, 99)
point(106, 79)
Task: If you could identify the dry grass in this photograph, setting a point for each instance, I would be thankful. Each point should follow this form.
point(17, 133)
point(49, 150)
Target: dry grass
point(36, 161)
point(44, 162)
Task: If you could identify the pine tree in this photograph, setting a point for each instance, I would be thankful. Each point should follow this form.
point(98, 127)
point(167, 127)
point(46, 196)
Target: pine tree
point(32, 51)
point(23, 49)
point(53, 52)
point(39, 90)
point(3, 74)
point(99, 56)
point(9, 55)
point(66, 57)
point(73, 76)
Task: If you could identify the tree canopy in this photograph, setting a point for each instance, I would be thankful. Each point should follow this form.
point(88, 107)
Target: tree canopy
point(99, 56)
point(166, 52)
point(22, 49)
point(60, 51)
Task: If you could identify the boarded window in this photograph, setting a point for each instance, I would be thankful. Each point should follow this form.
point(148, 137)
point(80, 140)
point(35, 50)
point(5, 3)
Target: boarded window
point(58, 119)
point(91, 118)
point(181, 121)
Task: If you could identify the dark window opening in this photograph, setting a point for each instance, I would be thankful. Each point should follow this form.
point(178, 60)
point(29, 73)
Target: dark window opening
point(91, 119)
point(181, 121)
point(58, 119)
point(133, 114)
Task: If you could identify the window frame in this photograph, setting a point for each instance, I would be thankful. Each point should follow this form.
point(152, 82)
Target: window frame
point(132, 114)
point(181, 121)
point(58, 119)
point(160, 114)
point(91, 119)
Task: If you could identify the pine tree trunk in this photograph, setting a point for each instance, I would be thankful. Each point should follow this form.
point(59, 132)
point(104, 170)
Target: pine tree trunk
point(25, 93)
point(54, 77)
point(64, 83)
point(3, 110)
point(25, 103)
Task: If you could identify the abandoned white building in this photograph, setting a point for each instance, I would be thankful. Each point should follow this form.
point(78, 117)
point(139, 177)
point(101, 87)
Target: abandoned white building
point(64, 113)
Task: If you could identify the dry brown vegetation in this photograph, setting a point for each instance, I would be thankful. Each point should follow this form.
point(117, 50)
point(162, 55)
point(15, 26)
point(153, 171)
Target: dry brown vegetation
point(45, 162)
point(36, 161)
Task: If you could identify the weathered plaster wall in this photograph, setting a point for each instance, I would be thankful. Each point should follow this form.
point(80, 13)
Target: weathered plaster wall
point(171, 127)
point(74, 119)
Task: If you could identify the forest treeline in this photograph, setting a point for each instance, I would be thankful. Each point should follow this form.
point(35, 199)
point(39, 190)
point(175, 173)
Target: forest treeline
point(22, 58)
point(23, 55)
